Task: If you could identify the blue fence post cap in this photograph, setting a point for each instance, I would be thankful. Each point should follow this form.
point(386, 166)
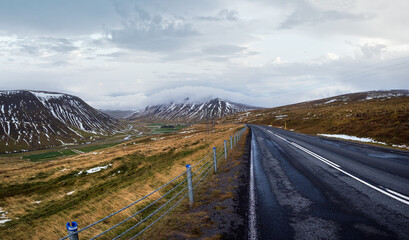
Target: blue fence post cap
point(188, 166)
point(214, 148)
point(73, 226)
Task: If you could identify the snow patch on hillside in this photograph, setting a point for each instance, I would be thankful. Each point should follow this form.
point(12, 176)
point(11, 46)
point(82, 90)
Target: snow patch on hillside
point(3, 217)
point(95, 169)
point(46, 96)
point(330, 101)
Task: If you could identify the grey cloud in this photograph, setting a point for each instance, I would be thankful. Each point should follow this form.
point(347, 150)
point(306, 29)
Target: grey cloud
point(211, 52)
point(112, 55)
point(230, 15)
point(61, 45)
point(148, 31)
point(274, 85)
point(56, 17)
point(372, 50)
point(217, 59)
point(223, 15)
point(306, 13)
point(222, 49)
point(120, 94)
point(36, 45)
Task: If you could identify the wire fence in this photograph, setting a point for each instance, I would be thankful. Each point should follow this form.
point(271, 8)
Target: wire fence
point(144, 217)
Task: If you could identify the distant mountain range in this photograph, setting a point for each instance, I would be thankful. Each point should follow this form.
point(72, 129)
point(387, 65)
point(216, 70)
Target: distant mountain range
point(190, 112)
point(34, 119)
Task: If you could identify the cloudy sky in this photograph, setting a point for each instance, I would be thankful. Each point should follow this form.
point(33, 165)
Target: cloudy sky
point(124, 54)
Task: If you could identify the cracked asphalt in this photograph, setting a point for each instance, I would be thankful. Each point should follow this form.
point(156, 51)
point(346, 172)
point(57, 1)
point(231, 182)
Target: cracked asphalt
point(308, 187)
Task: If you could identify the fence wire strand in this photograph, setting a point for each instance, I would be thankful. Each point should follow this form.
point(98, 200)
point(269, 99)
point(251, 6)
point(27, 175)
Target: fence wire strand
point(133, 215)
point(221, 150)
point(120, 210)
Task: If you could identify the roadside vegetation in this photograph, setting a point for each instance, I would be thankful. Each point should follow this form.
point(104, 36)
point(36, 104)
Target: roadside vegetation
point(219, 211)
point(138, 130)
point(164, 128)
point(44, 195)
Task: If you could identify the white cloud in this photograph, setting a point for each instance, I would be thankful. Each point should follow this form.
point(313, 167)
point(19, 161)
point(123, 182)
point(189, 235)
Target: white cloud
point(126, 54)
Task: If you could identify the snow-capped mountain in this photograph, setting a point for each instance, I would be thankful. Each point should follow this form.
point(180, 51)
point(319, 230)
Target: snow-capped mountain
point(190, 112)
point(34, 119)
point(363, 96)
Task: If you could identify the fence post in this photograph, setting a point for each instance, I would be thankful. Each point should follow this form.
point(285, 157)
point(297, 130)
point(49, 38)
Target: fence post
point(215, 160)
point(225, 150)
point(189, 184)
point(72, 228)
point(231, 142)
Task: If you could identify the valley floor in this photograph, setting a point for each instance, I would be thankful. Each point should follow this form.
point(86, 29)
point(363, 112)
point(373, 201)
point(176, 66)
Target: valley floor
point(89, 186)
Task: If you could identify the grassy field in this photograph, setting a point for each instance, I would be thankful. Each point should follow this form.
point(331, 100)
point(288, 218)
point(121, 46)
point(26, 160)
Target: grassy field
point(383, 119)
point(50, 154)
point(159, 128)
point(51, 193)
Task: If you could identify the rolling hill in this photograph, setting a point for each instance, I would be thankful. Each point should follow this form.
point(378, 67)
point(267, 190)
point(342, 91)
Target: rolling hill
point(380, 115)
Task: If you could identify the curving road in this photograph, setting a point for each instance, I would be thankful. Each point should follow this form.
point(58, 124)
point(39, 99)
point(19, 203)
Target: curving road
point(307, 187)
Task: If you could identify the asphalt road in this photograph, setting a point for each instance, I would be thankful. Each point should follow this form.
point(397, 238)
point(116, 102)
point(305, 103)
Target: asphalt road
point(307, 187)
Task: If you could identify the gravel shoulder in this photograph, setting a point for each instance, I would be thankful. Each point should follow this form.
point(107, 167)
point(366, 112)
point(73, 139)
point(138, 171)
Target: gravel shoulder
point(220, 209)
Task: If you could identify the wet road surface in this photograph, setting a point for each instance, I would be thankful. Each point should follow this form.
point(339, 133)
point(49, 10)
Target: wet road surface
point(307, 187)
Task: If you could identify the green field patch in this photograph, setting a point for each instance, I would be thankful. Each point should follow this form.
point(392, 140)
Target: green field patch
point(154, 125)
point(166, 129)
point(49, 155)
point(66, 152)
point(97, 147)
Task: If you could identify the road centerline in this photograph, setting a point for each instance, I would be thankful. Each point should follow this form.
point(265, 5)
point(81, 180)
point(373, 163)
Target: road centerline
point(395, 195)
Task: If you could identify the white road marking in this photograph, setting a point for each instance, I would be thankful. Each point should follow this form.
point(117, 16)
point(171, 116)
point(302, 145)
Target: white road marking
point(252, 235)
point(395, 195)
point(315, 155)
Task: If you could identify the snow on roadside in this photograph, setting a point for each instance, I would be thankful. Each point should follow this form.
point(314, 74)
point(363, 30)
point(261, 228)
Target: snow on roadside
point(366, 140)
point(358, 139)
point(95, 169)
point(353, 138)
point(69, 193)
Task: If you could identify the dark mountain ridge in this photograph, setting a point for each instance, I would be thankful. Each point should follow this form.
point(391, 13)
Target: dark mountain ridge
point(37, 119)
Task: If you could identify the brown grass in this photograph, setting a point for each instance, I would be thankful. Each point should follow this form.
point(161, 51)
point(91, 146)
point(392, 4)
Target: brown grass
point(187, 223)
point(87, 209)
point(384, 119)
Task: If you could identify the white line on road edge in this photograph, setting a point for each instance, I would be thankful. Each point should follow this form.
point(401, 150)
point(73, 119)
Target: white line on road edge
point(395, 195)
point(252, 235)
